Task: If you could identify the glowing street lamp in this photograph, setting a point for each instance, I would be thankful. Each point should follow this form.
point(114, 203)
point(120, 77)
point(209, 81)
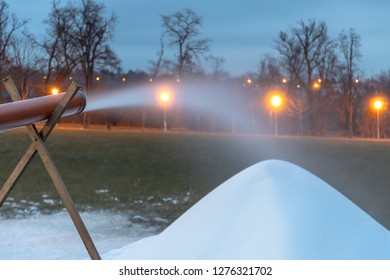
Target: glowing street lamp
point(248, 82)
point(276, 101)
point(55, 91)
point(378, 105)
point(165, 97)
point(317, 84)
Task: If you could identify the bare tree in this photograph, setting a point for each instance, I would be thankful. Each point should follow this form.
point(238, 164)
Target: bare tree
point(350, 50)
point(9, 24)
point(269, 72)
point(298, 106)
point(292, 64)
point(291, 56)
point(78, 38)
point(92, 32)
point(182, 32)
point(158, 65)
point(27, 62)
point(383, 82)
point(302, 49)
point(328, 70)
point(217, 63)
point(61, 51)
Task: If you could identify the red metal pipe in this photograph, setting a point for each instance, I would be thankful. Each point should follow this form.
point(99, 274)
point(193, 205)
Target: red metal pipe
point(30, 111)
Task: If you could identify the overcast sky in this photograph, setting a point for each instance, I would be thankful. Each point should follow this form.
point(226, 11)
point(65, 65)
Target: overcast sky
point(242, 31)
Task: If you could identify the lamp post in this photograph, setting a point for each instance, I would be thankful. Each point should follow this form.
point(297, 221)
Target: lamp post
point(165, 97)
point(276, 101)
point(378, 105)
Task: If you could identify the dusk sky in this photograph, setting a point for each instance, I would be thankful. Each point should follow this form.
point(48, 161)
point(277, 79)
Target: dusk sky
point(242, 31)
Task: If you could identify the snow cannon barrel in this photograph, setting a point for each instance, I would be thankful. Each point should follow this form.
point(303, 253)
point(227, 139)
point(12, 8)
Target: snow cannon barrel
point(34, 110)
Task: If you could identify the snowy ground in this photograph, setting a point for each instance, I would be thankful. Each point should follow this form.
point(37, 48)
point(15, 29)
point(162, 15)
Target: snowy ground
point(272, 210)
point(44, 237)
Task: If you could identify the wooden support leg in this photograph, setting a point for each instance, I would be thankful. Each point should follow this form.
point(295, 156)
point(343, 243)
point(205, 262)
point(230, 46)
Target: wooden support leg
point(64, 194)
point(47, 129)
point(38, 139)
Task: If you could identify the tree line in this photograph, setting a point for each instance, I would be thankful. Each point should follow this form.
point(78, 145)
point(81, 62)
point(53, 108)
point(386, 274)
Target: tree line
point(76, 45)
point(325, 88)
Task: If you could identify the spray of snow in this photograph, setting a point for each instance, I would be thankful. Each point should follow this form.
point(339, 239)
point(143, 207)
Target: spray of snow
point(211, 97)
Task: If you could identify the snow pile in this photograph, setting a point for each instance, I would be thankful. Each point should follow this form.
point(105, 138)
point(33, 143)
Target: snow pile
point(272, 210)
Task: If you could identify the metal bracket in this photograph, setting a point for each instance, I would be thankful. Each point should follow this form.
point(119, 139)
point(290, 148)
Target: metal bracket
point(38, 146)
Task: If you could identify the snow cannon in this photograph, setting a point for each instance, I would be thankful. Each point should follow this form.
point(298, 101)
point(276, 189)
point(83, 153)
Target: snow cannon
point(34, 110)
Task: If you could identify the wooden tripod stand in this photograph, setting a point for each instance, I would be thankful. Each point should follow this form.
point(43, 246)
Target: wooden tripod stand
point(38, 146)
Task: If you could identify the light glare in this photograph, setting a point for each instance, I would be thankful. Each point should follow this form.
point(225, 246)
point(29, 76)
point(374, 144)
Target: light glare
point(276, 101)
point(378, 104)
point(165, 96)
point(55, 91)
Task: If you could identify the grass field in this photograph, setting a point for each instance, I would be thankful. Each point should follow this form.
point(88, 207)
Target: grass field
point(155, 177)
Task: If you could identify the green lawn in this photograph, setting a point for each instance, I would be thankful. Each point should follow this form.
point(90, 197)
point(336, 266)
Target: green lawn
point(156, 176)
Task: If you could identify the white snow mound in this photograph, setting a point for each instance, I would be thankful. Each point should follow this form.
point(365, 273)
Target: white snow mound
point(271, 210)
